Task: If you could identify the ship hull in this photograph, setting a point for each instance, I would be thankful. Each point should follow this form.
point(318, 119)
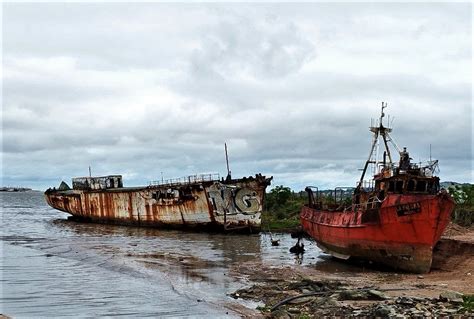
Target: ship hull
point(234, 205)
point(401, 233)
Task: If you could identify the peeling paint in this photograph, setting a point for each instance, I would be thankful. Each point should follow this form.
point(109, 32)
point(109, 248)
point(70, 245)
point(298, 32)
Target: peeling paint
point(232, 204)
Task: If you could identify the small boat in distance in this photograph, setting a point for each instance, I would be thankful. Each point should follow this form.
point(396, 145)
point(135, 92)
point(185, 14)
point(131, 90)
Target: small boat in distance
point(199, 202)
point(396, 218)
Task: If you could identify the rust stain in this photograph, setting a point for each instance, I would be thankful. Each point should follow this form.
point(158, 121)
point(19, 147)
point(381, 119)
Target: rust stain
point(394, 218)
point(196, 203)
point(130, 207)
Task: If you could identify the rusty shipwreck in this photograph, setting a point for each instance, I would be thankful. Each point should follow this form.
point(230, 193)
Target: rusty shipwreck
point(202, 202)
point(395, 218)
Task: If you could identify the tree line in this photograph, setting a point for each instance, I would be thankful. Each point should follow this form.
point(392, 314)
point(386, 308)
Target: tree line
point(283, 206)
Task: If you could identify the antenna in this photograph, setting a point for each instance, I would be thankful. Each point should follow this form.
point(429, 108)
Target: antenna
point(430, 152)
point(379, 130)
point(382, 114)
point(227, 161)
point(90, 172)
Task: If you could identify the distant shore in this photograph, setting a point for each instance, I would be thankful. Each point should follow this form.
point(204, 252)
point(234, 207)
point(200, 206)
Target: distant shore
point(14, 189)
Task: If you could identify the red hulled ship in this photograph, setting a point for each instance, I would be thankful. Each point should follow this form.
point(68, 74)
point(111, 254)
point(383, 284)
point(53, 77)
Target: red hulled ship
point(395, 219)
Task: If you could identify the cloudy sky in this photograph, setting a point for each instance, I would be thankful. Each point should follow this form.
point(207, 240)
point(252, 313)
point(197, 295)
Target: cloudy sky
point(141, 89)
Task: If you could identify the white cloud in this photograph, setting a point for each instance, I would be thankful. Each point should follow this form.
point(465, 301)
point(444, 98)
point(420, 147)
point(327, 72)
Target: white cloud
point(141, 89)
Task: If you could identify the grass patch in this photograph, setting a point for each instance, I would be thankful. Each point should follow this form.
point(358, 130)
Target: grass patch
point(282, 209)
point(273, 223)
point(468, 302)
point(264, 308)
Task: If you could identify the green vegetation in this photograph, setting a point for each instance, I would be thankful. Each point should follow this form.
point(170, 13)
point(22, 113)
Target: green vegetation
point(468, 302)
point(264, 308)
point(283, 207)
point(464, 197)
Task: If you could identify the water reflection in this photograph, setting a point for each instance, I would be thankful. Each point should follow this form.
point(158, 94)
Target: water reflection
point(110, 270)
point(198, 259)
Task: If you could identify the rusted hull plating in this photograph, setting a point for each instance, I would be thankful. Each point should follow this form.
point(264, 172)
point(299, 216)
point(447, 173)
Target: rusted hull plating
point(400, 234)
point(230, 205)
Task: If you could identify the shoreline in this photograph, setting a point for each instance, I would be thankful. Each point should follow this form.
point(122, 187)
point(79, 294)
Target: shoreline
point(357, 288)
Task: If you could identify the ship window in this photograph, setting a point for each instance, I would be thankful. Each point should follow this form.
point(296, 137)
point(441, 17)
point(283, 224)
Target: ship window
point(391, 186)
point(411, 185)
point(430, 187)
point(399, 186)
point(421, 186)
point(381, 195)
point(172, 193)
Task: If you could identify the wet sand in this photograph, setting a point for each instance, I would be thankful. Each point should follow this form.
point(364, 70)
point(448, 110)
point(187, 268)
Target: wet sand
point(453, 270)
point(52, 267)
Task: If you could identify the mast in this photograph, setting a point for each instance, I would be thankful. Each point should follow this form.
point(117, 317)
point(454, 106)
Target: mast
point(374, 143)
point(379, 131)
point(227, 162)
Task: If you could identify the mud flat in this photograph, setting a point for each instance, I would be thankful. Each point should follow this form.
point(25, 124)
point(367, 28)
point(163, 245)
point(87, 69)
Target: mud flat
point(361, 289)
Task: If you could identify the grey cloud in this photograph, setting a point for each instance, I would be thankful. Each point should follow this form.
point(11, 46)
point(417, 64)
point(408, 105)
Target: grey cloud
point(256, 47)
point(53, 90)
point(150, 88)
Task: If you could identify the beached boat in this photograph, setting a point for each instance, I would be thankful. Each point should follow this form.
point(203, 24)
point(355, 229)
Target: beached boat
point(201, 202)
point(396, 218)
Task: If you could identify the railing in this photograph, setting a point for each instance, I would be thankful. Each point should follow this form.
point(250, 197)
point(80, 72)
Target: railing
point(374, 203)
point(312, 201)
point(367, 184)
point(426, 168)
point(332, 198)
point(341, 191)
point(187, 180)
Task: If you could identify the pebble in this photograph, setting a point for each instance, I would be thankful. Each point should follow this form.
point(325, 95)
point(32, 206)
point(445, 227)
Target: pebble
point(450, 311)
point(378, 294)
point(401, 307)
point(383, 310)
point(294, 310)
point(451, 296)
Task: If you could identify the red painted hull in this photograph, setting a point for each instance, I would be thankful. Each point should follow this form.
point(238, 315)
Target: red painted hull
point(400, 234)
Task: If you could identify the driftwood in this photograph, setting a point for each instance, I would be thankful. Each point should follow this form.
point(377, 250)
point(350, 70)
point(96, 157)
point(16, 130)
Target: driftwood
point(320, 293)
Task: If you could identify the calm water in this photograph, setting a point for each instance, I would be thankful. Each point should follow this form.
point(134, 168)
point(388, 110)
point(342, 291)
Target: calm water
point(52, 267)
